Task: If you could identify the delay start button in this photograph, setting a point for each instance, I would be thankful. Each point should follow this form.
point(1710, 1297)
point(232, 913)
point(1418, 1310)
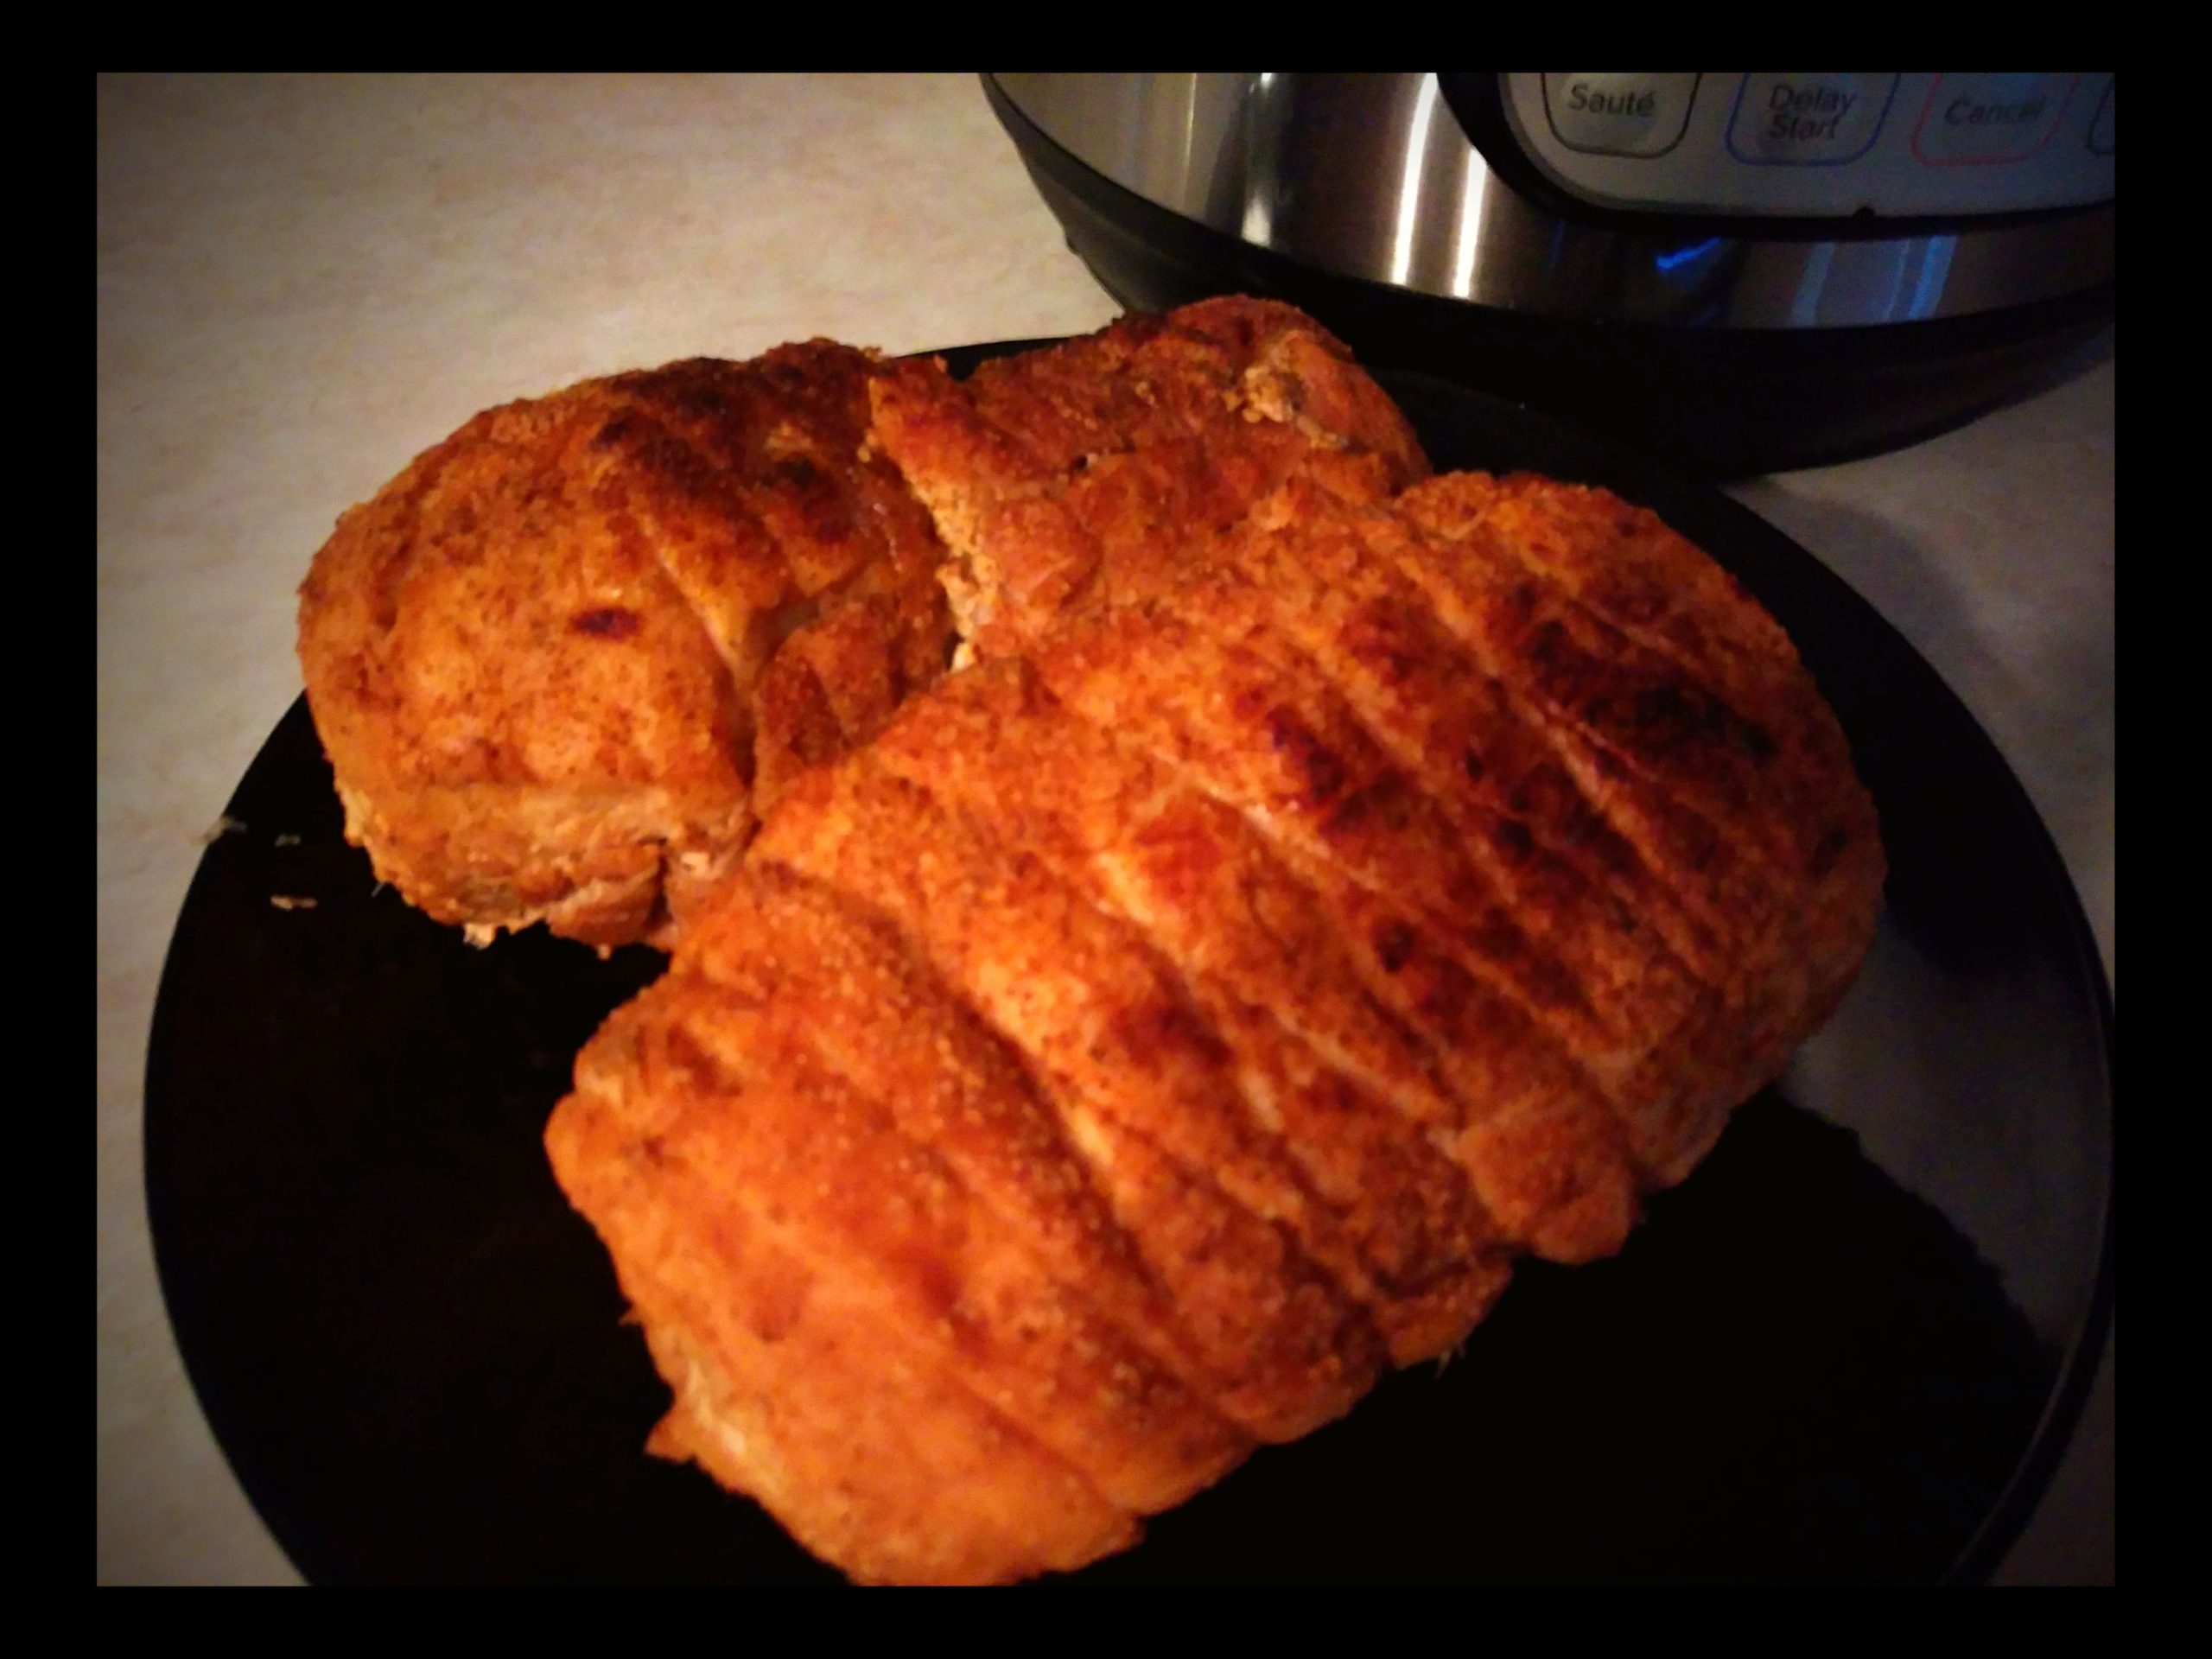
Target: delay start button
point(1805, 120)
point(1985, 118)
point(1619, 115)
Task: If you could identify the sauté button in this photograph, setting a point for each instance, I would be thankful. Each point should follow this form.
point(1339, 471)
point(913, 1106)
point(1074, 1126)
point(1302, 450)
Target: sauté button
point(1807, 120)
point(1619, 115)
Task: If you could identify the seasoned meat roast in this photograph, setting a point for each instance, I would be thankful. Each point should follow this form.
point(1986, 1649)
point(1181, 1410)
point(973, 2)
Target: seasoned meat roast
point(1194, 1009)
point(562, 661)
point(1315, 886)
point(1061, 478)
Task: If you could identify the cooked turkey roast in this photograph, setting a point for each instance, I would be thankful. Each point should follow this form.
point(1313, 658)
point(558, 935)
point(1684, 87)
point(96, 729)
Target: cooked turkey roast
point(1320, 885)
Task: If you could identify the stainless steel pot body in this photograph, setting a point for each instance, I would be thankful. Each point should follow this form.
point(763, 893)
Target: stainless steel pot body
point(1377, 177)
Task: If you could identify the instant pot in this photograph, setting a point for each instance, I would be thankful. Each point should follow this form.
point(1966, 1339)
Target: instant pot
point(1738, 272)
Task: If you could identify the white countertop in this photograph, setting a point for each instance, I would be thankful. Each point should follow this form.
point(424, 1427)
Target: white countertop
point(303, 282)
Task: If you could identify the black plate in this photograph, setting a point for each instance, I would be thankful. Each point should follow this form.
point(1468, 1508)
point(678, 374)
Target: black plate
point(1849, 1348)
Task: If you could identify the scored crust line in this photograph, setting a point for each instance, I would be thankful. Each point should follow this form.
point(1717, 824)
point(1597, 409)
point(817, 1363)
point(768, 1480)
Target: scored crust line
point(1090, 886)
point(1301, 1255)
point(1188, 1365)
point(796, 1241)
point(881, 928)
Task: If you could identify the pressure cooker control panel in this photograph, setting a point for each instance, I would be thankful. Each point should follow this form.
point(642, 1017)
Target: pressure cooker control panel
point(1820, 145)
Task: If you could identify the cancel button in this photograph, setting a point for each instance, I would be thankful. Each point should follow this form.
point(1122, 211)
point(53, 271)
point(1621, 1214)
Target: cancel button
point(1807, 120)
point(1990, 118)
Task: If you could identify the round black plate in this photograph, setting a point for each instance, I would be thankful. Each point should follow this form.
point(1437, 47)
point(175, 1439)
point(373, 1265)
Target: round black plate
point(1848, 1349)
